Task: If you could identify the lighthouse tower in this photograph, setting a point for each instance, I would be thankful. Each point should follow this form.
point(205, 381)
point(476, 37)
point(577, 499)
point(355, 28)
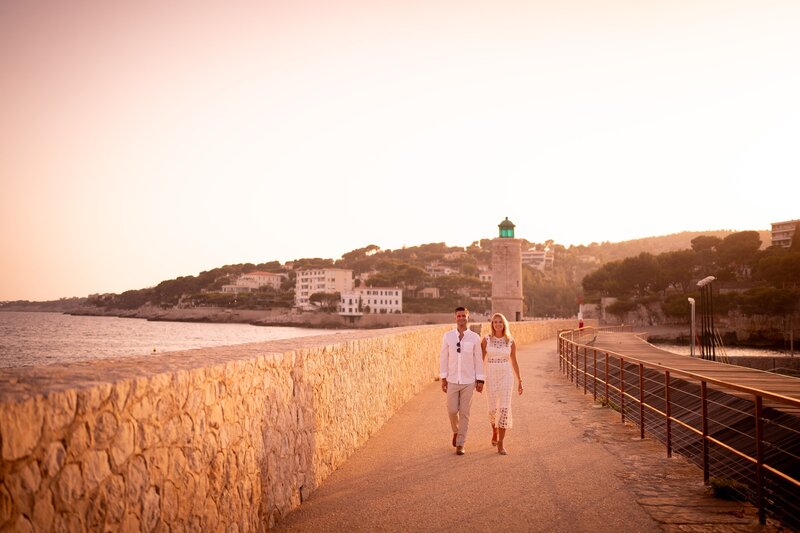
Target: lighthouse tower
point(507, 273)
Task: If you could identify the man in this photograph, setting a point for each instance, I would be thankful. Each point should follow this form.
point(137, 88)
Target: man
point(461, 370)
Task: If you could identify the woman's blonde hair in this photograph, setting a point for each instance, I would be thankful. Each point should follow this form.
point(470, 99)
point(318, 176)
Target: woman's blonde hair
point(506, 329)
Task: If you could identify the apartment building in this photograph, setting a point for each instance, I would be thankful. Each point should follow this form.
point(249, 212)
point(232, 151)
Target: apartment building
point(252, 281)
point(783, 233)
point(485, 272)
point(313, 280)
point(539, 259)
point(371, 300)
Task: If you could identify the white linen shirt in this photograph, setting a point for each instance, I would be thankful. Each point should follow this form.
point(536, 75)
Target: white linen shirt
point(465, 366)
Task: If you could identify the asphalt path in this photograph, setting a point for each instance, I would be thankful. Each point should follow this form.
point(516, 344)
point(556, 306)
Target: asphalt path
point(558, 476)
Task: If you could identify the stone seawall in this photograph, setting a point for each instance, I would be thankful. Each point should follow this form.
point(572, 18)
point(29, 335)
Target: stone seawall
point(783, 365)
point(217, 439)
point(272, 317)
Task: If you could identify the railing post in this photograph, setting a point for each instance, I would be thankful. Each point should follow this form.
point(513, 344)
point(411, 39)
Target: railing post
point(585, 385)
point(641, 400)
point(569, 362)
point(594, 376)
point(605, 400)
point(762, 515)
point(622, 388)
point(558, 351)
point(567, 348)
point(704, 409)
point(575, 365)
point(667, 410)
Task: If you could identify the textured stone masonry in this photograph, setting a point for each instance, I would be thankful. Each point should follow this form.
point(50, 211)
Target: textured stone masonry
point(217, 439)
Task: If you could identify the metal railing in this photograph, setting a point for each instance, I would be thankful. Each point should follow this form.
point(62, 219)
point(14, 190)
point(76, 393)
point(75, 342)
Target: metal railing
point(746, 440)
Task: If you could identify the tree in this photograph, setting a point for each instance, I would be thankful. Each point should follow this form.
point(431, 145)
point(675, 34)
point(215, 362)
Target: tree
point(640, 274)
point(705, 243)
point(360, 253)
point(705, 248)
point(328, 301)
point(769, 301)
point(795, 247)
point(780, 268)
point(677, 268)
point(737, 250)
point(603, 281)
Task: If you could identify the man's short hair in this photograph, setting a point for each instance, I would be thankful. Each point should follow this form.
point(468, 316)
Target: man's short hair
point(461, 308)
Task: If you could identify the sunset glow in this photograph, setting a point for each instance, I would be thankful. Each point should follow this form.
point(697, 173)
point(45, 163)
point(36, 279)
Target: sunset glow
point(141, 141)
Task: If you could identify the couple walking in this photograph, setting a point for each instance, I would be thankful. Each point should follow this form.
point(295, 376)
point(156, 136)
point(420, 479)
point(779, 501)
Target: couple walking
point(468, 363)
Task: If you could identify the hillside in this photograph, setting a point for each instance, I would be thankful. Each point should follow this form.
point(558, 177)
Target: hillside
point(614, 251)
point(553, 292)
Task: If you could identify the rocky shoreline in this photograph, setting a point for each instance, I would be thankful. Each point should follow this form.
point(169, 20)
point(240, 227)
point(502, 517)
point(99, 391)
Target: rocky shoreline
point(681, 335)
point(278, 318)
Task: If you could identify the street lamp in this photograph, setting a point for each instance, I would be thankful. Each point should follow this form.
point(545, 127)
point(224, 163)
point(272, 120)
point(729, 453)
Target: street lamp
point(691, 302)
point(707, 307)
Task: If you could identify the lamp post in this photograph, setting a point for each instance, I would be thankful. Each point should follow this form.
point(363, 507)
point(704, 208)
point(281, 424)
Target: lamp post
point(691, 340)
point(707, 350)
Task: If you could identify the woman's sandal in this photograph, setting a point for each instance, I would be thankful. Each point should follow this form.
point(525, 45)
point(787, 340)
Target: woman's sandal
point(502, 451)
point(494, 438)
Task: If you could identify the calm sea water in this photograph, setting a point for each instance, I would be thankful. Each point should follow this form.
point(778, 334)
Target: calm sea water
point(30, 339)
point(685, 349)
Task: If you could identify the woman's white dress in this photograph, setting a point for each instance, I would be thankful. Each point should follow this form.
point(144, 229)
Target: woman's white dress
point(499, 380)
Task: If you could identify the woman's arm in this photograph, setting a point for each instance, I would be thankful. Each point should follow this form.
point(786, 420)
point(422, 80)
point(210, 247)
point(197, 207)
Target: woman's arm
point(515, 366)
point(483, 348)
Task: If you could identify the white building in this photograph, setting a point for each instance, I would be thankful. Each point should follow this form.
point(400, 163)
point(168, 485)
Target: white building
point(372, 300)
point(539, 259)
point(252, 281)
point(455, 255)
point(430, 292)
point(783, 232)
point(313, 280)
point(437, 271)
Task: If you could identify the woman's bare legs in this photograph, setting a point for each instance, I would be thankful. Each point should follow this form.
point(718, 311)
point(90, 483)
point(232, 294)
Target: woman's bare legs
point(501, 434)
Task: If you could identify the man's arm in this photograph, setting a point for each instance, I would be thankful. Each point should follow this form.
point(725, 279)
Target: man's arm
point(444, 360)
point(477, 357)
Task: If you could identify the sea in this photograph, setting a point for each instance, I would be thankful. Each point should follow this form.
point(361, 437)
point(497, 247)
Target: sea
point(685, 349)
point(33, 339)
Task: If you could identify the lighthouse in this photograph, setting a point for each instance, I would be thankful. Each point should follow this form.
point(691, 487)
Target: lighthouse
point(507, 273)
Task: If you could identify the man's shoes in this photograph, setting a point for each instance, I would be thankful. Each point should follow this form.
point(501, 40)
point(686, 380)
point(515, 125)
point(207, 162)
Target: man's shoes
point(460, 450)
point(454, 439)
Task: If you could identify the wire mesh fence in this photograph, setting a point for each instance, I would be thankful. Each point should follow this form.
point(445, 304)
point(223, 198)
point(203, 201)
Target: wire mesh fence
point(747, 451)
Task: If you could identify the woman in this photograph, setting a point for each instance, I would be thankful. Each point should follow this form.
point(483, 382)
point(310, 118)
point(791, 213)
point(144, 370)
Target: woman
point(500, 360)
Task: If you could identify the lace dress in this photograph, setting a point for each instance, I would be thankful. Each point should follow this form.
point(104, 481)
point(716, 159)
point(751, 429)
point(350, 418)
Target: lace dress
point(499, 380)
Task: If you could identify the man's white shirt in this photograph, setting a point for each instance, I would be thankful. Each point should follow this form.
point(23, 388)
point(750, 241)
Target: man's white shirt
point(464, 366)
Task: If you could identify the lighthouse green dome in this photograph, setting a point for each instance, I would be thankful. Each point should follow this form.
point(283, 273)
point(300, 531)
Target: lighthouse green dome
point(506, 229)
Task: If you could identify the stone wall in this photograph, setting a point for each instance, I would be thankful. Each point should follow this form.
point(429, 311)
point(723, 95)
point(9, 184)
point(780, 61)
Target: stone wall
point(217, 439)
point(273, 317)
point(783, 365)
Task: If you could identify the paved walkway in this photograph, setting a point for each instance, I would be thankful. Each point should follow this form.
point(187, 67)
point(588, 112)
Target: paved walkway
point(571, 467)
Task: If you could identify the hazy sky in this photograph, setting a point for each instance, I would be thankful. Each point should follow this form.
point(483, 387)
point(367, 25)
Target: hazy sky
point(144, 140)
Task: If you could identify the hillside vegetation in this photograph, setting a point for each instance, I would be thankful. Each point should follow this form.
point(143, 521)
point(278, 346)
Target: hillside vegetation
point(749, 279)
point(553, 292)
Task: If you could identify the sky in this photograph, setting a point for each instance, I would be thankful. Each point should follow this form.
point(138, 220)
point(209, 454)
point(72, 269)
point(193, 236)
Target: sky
point(142, 141)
